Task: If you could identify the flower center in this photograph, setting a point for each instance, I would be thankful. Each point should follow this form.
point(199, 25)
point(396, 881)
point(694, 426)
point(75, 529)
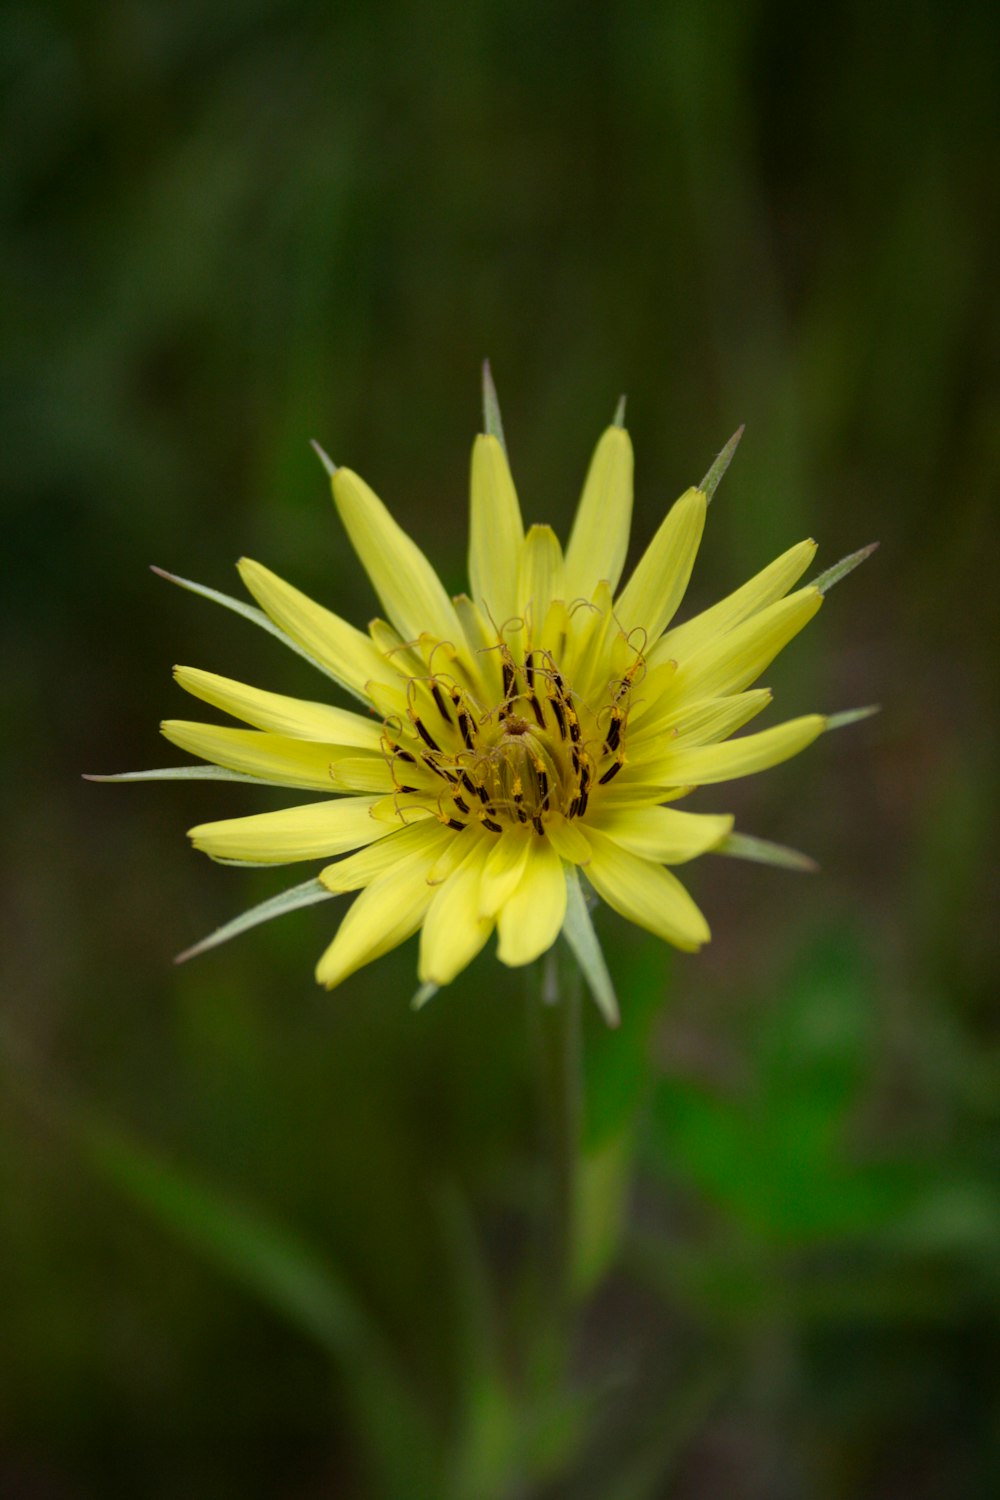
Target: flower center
point(541, 751)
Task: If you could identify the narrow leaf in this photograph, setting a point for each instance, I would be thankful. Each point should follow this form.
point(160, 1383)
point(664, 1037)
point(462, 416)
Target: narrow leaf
point(324, 457)
point(185, 773)
point(257, 617)
point(307, 894)
point(713, 478)
point(852, 716)
point(492, 421)
point(744, 846)
point(840, 570)
point(578, 930)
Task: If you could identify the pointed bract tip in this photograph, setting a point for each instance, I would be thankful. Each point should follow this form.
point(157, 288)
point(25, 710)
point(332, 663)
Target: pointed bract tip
point(162, 573)
point(852, 716)
point(713, 478)
point(492, 421)
point(618, 420)
point(324, 457)
point(840, 570)
point(426, 992)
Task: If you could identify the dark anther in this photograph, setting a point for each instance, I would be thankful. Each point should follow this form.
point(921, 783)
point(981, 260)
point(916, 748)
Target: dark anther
point(543, 783)
point(537, 710)
point(482, 794)
point(557, 709)
point(538, 825)
point(529, 670)
point(427, 738)
point(465, 725)
point(493, 827)
point(454, 823)
point(468, 783)
point(438, 697)
point(407, 788)
point(574, 726)
point(522, 816)
point(439, 770)
point(574, 808)
point(404, 755)
point(508, 678)
point(614, 734)
point(583, 799)
point(462, 806)
point(610, 773)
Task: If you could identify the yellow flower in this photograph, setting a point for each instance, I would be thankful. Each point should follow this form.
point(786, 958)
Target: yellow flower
point(539, 726)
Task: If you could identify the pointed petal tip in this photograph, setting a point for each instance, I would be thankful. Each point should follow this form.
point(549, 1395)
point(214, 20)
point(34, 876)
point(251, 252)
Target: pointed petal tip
point(324, 457)
point(713, 478)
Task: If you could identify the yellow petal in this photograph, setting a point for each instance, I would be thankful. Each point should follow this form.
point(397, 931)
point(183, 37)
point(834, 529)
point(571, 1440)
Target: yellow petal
point(426, 837)
point(732, 661)
point(481, 655)
point(532, 915)
point(410, 590)
point(453, 931)
point(568, 839)
point(653, 593)
point(361, 773)
point(646, 894)
point(743, 757)
point(382, 917)
point(699, 723)
point(763, 589)
point(599, 539)
point(345, 652)
point(289, 716)
point(316, 831)
point(495, 531)
point(662, 834)
point(540, 579)
point(505, 862)
point(271, 757)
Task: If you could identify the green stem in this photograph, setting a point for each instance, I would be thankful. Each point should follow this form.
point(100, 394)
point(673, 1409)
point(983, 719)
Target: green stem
point(555, 1017)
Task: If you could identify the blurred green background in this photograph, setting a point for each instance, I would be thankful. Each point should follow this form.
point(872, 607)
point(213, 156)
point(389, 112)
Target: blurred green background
point(262, 1241)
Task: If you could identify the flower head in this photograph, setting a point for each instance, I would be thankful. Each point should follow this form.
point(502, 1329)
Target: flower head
point(542, 725)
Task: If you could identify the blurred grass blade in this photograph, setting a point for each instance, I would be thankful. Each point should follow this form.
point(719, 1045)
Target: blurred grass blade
point(290, 1278)
point(307, 894)
point(578, 930)
point(484, 1447)
point(281, 1272)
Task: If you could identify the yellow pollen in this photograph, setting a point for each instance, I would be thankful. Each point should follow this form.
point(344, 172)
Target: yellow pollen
point(541, 750)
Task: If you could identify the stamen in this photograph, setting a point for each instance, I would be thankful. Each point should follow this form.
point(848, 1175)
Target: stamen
point(436, 694)
point(611, 773)
point(424, 734)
